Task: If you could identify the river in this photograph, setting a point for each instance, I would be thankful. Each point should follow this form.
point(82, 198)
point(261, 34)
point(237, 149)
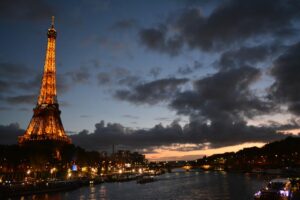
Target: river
point(204, 185)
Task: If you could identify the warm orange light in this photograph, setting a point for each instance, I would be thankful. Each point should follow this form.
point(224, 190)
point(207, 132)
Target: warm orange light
point(46, 123)
point(163, 154)
point(205, 166)
point(48, 89)
point(52, 170)
point(94, 170)
point(187, 167)
point(84, 169)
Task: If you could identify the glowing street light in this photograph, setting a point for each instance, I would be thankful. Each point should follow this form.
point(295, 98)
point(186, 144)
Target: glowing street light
point(84, 169)
point(52, 170)
point(94, 170)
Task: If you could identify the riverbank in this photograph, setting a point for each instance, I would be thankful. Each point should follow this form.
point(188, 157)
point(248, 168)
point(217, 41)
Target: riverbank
point(22, 189)
point(196, 185)
point(16, 189)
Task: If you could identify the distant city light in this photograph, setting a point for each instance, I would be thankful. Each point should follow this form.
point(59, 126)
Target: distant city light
point(74, 168)
point(52, 170)
point(84, 169)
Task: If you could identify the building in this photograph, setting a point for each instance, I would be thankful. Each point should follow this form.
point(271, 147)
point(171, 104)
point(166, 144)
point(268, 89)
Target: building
point(46, 124)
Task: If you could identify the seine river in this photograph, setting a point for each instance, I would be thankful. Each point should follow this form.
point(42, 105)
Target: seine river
point(177, 185)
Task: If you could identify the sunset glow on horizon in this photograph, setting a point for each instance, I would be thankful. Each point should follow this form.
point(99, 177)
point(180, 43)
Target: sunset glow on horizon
point(167, 155)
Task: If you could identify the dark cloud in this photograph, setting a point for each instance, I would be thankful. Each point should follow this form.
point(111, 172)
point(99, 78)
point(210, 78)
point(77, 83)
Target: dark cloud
point(286, 71)
point(152, 92)
point(85, 116)
point(231, 22)
point(24, 109)
point(246, 56)
point(156, 39)
point(224, 94)
point(217, 105)
point(155, 71)
point(117, 77)
point(120, 71)
point(173, 137)
point(30, 9)
point(80, 75)
point(28, 85)
point(125, 24)
point(9, 133)
point(95, 63)
point(110, 44)
point(130, 80)
point(234, 21)
point(293, 123)
point(17, 87)
point(62, 83)
point(4, 108)
point(12, 70)
point(14, 76)
point(22, 99)
point(4, 86)
point(103, 78)
point(9, 86)
point(64, 103)
point(185, 70)
point(163, 119)
point(185, 147)
point(114, 133)
point(227, 132)
point(130, 116)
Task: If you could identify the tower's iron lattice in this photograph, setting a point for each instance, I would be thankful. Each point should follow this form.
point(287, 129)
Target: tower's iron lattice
point(46, 123)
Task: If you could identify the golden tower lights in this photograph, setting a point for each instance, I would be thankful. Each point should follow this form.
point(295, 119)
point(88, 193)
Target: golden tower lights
point(46, 124)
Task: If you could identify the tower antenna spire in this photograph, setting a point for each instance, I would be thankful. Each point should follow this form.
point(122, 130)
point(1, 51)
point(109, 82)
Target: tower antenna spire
point(52, 21)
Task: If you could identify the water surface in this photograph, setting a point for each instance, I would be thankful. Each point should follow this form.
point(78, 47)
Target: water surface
point(172, 186)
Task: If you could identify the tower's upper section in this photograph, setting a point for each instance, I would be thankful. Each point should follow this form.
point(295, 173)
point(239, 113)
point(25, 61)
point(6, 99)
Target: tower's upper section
point(51, 31)
point(48, 88)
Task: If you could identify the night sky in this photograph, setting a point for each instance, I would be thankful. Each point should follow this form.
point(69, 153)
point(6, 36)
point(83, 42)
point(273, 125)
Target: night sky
point(171, 79)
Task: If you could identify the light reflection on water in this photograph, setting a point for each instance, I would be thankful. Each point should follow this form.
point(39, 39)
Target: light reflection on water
point(173, 186)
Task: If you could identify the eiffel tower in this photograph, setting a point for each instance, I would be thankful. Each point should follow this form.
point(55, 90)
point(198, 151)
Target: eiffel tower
point(46, 124)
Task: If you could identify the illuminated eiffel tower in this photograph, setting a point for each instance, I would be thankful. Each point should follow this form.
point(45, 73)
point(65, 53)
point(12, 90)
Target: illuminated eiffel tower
point(46, 124)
